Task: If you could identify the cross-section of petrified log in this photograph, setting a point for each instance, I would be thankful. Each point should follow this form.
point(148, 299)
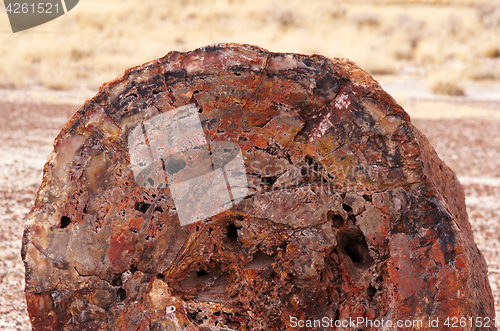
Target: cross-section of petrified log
point(230, 188)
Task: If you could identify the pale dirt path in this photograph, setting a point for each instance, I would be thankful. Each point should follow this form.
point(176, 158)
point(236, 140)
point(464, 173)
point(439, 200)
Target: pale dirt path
point(468, 146)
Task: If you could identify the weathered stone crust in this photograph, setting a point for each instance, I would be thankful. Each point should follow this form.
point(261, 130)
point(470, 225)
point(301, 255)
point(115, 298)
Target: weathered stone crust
point(350, 212)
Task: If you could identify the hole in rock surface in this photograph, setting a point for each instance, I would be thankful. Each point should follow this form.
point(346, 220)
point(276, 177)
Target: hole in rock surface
point(121, 294)
point(232, 233)
point(337, 220)
point(269, 181)
point(346, 207)
point(194, 316)
point(65, 221)
point(371, 292)
point(117, 281)
point(142, 206)
point(312, 169)
point(353, 252)
point(353, 244)
point(260, 261)
point(209, 285)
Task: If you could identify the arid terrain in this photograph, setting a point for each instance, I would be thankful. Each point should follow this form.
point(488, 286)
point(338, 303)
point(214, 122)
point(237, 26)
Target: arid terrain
point(440, 59)
point(443, 42)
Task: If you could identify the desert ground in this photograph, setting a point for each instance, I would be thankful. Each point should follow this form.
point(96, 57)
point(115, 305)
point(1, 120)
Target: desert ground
point(440, 59)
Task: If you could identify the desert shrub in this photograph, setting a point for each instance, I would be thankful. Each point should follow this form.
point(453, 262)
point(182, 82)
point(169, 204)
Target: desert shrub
point(382, 66)
point(336, 9)
point(412, 28)
point(286, 17)
point(371, 20)
point(487, 69)
point(489, 13)
point(492, 51)
point(445, 86)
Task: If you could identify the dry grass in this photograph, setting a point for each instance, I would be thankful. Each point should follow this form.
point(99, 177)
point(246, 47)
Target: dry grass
point(97, 40)
point(447, 87)
point(446, 83)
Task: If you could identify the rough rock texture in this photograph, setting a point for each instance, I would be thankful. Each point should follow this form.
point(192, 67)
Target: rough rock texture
point(348, 212)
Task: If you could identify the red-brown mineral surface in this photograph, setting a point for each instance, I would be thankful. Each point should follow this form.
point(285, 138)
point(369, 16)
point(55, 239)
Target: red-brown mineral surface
point(230, 188)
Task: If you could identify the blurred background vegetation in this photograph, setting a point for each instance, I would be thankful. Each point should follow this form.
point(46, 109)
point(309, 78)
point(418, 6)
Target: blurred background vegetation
point(443, 44)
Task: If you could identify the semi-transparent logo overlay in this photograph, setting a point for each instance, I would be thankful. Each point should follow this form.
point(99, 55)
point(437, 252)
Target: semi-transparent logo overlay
point(204, 178)
point(24, 14)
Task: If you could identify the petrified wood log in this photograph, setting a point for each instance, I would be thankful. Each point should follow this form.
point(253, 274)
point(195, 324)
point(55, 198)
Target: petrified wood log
point(230, 188)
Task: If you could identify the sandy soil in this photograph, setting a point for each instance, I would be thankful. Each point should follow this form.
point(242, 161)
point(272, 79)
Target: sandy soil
point(469, 146)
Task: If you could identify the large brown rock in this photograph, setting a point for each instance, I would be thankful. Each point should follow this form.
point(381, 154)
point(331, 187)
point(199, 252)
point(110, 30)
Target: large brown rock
point(230, 188)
